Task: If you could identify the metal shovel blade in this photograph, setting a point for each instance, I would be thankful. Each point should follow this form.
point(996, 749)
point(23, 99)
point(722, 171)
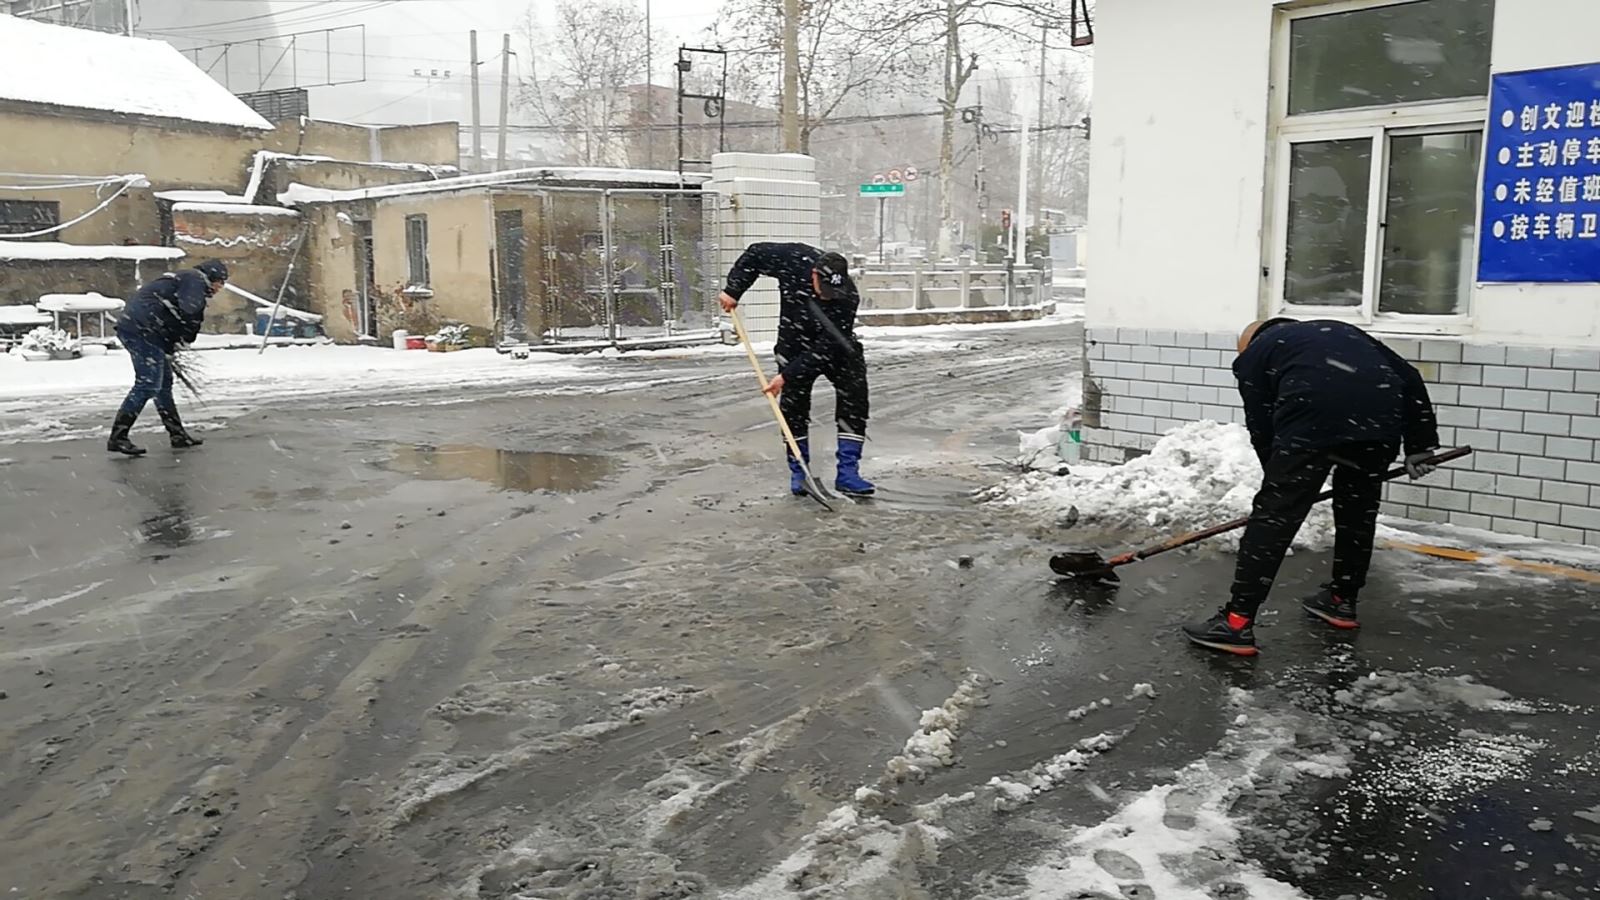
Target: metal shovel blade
point(1082, 564)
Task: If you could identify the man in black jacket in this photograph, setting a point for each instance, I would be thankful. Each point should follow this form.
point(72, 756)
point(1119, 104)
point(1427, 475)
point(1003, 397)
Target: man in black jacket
point(816, 337)
point(1318, 397)
point(165, 313)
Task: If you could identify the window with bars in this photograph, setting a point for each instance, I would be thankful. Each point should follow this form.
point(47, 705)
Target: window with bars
point(1379, 142)
point(417, 252)
point(19, 217)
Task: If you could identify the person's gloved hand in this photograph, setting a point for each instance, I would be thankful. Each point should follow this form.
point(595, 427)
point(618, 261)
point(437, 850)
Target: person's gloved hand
point(1417, 465)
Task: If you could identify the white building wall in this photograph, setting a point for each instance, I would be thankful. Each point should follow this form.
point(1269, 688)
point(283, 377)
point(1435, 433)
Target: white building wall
point(764, 197)
point(1178, 205)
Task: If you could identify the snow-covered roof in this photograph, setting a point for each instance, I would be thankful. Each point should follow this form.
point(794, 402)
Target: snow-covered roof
point(297, 193)
point(200, 197)
point(80, 303)
point(82, 69)
point(236, 209)
point(23, 314)
point(53, 250)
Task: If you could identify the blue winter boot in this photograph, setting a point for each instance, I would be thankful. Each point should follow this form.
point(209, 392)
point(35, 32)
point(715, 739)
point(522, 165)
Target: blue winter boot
point(849, 480)
point(797, 475)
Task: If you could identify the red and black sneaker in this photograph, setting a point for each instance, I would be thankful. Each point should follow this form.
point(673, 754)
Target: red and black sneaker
point(1226, 631)
point(1340, 612)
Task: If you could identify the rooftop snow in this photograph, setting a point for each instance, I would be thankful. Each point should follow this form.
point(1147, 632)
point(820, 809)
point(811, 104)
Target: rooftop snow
point(200, 197)
point(237, 209)
point(299, 193)
point(55, 250)
point(24, 314)
point(81, 69)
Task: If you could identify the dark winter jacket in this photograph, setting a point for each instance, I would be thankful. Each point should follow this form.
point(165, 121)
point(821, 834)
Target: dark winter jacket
point(1313, 385)
point(168, 311)
point(814, 335)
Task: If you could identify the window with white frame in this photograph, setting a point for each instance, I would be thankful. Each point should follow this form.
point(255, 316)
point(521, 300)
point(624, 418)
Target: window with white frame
point(1380, 112)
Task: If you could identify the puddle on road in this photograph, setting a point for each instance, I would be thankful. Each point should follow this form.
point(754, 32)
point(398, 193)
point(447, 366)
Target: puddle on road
point(516, 470)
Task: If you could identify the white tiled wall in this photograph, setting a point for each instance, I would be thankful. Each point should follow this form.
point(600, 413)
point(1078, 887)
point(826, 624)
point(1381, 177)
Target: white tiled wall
point(765, 197)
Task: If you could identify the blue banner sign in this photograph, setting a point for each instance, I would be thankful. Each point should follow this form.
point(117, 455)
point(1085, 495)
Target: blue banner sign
point(1541, 182)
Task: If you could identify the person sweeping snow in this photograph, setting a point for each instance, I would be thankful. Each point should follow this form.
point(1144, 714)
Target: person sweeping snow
point(165, 313)
point(1318, 397)
point(816, 338)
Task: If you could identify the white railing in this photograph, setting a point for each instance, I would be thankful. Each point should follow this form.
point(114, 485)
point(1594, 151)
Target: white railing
point(952, 286)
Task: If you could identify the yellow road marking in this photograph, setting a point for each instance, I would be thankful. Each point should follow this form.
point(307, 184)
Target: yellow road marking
point(1511, 562)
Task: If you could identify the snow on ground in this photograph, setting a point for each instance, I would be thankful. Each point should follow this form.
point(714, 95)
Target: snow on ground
point(1198, 475)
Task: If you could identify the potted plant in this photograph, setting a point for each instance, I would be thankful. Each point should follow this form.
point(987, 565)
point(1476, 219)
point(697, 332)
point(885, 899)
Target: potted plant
point(450, 338)
point(45, 342)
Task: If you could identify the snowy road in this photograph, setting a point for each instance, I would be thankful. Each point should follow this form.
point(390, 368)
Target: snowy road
point(518, 640)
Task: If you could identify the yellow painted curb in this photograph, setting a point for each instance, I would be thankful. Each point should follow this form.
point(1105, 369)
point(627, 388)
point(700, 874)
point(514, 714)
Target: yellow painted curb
point(1510, 562)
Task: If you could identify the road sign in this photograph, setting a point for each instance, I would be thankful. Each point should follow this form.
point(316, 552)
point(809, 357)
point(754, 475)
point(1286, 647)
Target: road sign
point(879, 179)
point(882, 190)
point(911, 173)
point(895, 177)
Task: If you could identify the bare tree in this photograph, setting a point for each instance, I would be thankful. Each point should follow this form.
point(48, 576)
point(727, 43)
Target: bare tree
point(837, 66)
point(581, 69)
point(960, 27)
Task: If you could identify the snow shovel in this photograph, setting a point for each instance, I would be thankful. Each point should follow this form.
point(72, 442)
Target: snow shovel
point(814, 488)
point(1089, 564)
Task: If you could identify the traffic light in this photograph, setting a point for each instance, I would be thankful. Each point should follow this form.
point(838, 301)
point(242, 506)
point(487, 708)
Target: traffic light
point(1005, 220)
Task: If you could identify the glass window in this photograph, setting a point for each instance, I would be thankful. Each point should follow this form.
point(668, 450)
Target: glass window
point(1329, 186)
point(417, 250)
point(1429, 222)
point(1407, 52)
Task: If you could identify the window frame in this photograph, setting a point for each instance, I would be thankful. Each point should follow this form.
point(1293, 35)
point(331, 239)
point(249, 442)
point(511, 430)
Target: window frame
point(416, 255)
point(1379, 123)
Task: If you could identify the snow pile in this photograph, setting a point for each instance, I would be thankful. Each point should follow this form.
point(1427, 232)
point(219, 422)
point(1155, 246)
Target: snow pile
point(1199, 474)
point(933, 744)
point(1011, 793)
point(1421, 692)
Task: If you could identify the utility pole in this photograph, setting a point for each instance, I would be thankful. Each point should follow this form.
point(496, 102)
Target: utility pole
point(1020, 254)
point(791, 76)
point(127, 12)
point(649, 95)
point(1038, 121)
point(505, 96)
point(477, 120)
point(981, 181)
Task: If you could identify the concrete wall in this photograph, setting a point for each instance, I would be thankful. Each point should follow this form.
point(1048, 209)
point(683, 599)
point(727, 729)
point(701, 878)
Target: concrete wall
point(1179, 166)
point(27, 281)
point(764, 197)
point(433, 144)
point(460, 235)
point(171, 156)
point(1178, 162)
point(257, 249)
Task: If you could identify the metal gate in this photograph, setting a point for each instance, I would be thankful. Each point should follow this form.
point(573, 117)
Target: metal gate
point(615, 266)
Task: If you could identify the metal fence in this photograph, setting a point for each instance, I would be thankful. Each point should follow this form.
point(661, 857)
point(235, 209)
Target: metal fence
point(591, 265)
point(968, 286)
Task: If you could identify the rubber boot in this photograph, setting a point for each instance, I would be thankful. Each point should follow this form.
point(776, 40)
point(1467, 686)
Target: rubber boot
point(797, 475)
point(179, 437)
point(849, 480)
point(118, 442)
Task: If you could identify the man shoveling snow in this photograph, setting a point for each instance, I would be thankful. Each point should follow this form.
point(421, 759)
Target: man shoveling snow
point(1318, 397)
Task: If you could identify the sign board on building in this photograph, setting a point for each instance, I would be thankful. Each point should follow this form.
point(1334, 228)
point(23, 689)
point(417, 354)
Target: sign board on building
point(882, 190)
point(1541, 184)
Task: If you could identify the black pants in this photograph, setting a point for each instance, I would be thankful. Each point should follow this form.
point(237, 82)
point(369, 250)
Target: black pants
point(849, 380)
point(1289, 486)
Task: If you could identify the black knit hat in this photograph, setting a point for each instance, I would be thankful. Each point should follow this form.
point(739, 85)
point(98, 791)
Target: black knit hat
point(213, 269)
